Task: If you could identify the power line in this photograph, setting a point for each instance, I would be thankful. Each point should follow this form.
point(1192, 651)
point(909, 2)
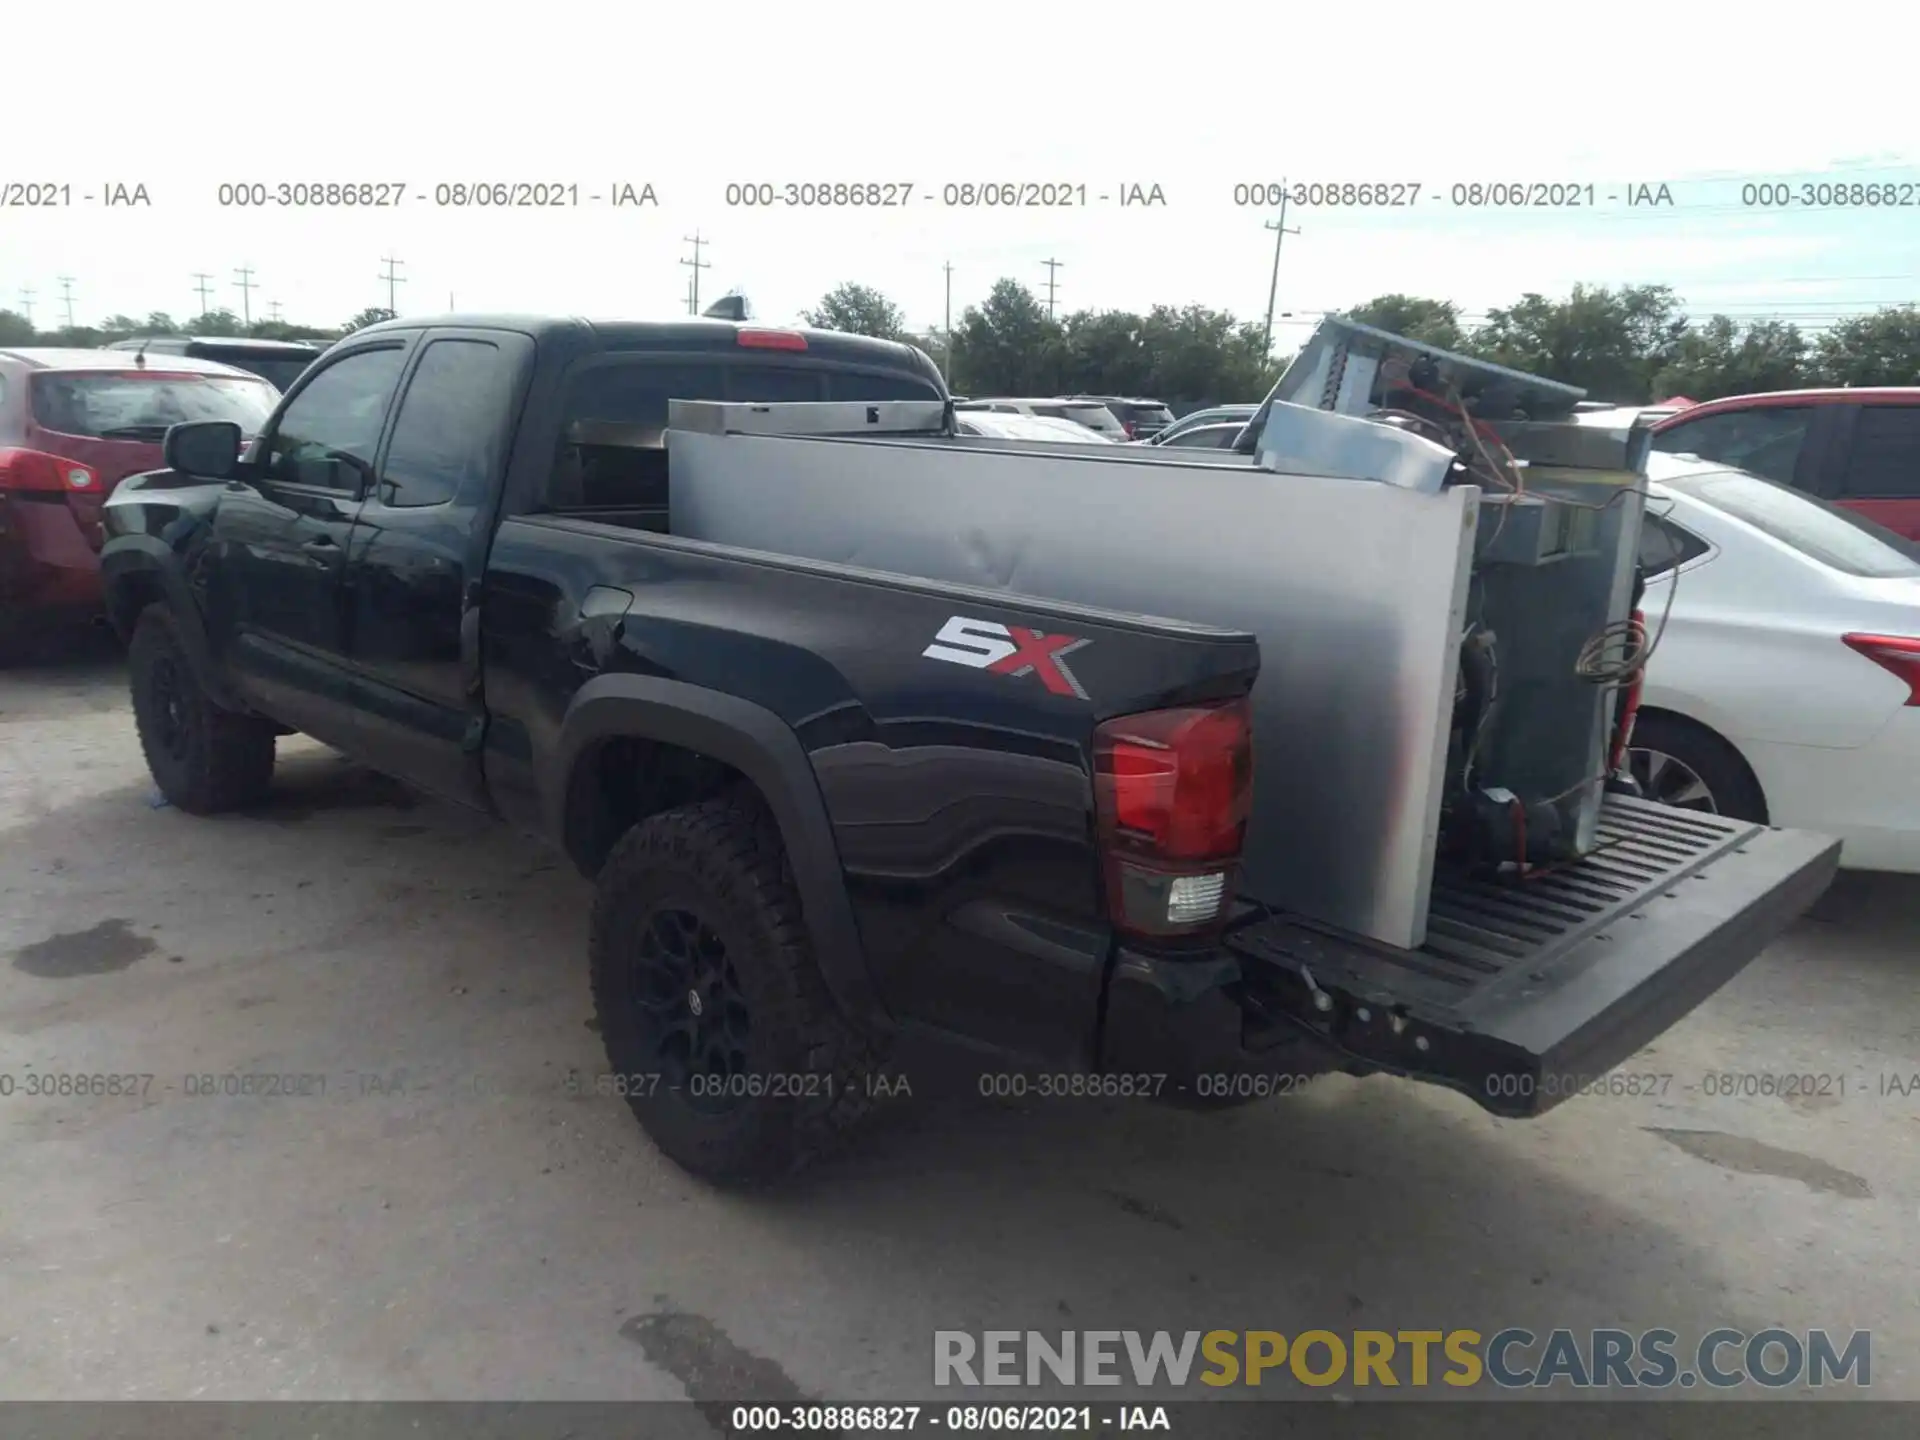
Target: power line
point(203, 284)
point(1053, 267)
point(1593, 215)
point(392, 278)
point(66, 297)
point(696, 264)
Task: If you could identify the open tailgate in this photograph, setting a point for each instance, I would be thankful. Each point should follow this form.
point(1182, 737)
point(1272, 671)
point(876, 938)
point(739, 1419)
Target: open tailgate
point(1526, 992)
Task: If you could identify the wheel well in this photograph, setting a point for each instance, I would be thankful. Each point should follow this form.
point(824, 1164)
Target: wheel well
point(128, 596)
point(1710, 736)
point(620, 781)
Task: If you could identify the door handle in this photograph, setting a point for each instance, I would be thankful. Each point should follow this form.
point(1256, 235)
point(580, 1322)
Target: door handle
point(320, 542)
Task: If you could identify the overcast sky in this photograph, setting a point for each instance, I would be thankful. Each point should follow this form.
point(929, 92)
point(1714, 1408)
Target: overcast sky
point(1193, 99)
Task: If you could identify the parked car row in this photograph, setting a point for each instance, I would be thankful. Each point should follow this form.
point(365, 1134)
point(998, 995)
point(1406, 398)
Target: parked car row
point(1859, 449)
point(1089, 415)
point(1121, 419)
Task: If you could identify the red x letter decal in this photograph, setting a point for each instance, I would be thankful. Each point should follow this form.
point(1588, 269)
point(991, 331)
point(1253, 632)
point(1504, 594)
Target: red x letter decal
point(1042, 655)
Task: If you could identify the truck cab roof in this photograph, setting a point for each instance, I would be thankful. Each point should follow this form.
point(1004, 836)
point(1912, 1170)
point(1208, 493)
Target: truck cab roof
point(689, 333)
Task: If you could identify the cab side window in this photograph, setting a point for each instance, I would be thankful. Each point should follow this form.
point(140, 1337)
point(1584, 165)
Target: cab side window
point(329, 433)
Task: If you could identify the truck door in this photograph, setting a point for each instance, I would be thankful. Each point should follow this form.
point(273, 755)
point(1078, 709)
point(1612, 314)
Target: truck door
point(280, 542)
point(416, 559)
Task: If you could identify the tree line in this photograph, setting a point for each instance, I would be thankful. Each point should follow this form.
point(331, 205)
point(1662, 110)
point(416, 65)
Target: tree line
point(1627, 346)
point(16, 329)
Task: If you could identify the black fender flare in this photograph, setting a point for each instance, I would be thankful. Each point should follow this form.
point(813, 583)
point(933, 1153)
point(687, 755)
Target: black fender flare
point(144, 556)
point(761, 746)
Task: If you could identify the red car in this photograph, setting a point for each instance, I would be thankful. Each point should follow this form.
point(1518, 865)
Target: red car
point(74, 424)
point(1856, 448)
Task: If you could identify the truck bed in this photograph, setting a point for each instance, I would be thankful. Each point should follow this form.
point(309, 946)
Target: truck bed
point(1527, 991)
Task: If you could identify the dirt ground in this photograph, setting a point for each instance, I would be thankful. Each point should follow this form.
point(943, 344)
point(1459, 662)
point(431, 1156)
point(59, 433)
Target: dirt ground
point(439, 1216)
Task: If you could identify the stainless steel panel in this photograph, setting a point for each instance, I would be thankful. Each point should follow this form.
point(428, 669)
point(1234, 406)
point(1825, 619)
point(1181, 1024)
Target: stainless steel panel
point(1356, 593)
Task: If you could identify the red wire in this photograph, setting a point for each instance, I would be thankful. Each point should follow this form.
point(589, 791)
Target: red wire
point(1482, 426)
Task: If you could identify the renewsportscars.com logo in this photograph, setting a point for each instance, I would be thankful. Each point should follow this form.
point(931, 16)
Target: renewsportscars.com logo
point(1602, 1359)
point(1009, 650)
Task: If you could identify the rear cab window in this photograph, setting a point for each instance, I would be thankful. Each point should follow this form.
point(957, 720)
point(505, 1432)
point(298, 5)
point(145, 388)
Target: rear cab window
point(141, 404)
point(614, 416)
point(1823, 533)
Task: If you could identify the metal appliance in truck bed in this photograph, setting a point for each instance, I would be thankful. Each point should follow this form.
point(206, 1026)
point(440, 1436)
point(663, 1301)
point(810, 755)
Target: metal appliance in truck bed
point(1419, 688)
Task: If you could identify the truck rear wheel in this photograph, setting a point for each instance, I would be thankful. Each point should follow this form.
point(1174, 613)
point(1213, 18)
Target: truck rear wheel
point(203, 758)
point(719, 1028)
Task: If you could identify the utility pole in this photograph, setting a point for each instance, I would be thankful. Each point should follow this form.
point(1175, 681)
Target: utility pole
point(66, 297)
point(1280, 233)
point(697, 265)
point(26, 302)
point(273, 311)
point(392, 277)
point(948, 330)
point(243, 277)
point(203, 284)
point(1052, 267)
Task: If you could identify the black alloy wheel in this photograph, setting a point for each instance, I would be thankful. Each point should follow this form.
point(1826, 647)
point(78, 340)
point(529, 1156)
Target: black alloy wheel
point(692, 1007)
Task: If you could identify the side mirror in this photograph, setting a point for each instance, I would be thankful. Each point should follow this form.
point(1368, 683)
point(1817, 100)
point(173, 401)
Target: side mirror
point(357, 474)
point(206, 449)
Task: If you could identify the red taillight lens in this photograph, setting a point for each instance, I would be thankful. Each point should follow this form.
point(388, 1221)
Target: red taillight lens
point(36, 470)
point(1129, 427)
point(1172, 793)
point(1897, 654)
point(772, 339)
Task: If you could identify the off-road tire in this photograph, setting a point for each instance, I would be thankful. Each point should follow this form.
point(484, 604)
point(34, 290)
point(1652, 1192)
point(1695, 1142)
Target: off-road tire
point(807, 1073)
point(203, 758)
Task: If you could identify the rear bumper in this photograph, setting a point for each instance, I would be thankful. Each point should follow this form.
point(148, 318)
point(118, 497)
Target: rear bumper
point(1524, 997)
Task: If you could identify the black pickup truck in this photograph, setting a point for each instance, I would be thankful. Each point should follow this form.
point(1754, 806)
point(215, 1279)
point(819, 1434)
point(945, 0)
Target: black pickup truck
point(828, 808)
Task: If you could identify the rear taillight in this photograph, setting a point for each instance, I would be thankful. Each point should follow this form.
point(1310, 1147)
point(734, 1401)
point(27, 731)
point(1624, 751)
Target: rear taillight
point(38, 471)
point(1899, 655)
point(1129, 427)
point(772, 339)
point(1172, 793)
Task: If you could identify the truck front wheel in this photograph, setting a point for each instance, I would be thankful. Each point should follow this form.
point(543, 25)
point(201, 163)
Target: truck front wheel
point(719, 1029)
point(203, 758)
